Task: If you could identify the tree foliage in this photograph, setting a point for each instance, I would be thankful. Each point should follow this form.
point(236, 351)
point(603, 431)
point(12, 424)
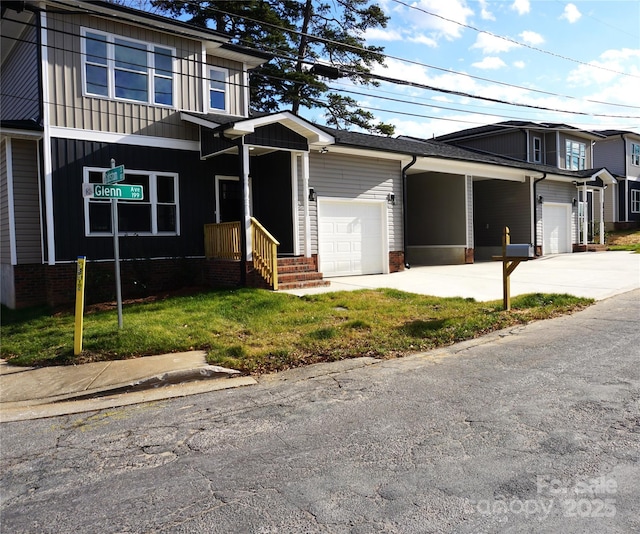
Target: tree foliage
point(300, 34)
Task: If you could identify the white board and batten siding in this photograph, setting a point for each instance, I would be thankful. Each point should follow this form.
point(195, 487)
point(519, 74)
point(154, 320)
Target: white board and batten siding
point(556, 218)
point(353, 226)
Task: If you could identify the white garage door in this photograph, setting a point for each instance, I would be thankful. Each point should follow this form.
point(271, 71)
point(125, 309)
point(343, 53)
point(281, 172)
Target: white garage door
point(350, 237)
point(556, 222)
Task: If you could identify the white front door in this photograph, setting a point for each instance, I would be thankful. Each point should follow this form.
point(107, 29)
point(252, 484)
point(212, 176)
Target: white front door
point(351, 237)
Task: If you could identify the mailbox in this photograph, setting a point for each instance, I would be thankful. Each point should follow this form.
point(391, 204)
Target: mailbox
point(519, 251)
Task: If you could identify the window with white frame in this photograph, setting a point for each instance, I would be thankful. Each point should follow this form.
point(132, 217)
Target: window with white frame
point(575, 155)
point(125, 69)
point(157, 213)
point(218, 80)
point(537, 150)
point(635, 154)
point(635, 201)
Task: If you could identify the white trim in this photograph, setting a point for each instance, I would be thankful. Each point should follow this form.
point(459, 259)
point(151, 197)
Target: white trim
point(204, 81)
point(17, 133)
point(246, 186)
point(287, 119)
point(187, 116)
point(46, 143)
point(40, 218)
point(123, 139)
point(532, 213)
point(466, 210)
point(10, 204)
point(539, 139)
point(294, 202)
point(246, 94)
point(558, 157)
point(528, 132)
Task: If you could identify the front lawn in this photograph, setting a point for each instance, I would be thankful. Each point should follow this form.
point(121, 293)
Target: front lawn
point(624, 240)
point(258, 331)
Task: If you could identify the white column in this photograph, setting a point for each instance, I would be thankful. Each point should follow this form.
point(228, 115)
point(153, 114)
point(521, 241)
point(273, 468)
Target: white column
point(585, 216)
point(295, 202)
point(46, 145)
point(247, 197)
point(305, 196)
point(602, 191)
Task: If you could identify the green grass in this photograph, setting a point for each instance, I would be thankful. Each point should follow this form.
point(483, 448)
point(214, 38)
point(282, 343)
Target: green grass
point(628, 240)
point(258, 331)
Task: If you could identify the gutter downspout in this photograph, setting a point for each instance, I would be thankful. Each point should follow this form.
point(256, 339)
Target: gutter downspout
point(535, 213)
point(405, 224)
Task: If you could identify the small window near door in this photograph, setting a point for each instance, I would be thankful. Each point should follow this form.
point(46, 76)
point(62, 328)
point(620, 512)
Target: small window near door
point(537, 150)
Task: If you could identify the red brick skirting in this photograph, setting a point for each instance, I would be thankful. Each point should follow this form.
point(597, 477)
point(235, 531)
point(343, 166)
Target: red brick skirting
point(468, 255)
point(396, 261)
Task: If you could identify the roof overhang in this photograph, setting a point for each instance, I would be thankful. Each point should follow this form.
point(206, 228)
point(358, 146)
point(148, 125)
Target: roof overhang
point(603, 174)
point(311, 133)
point(472, 168)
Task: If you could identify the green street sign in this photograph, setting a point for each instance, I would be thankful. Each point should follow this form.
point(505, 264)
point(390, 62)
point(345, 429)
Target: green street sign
point(114, 175)
point(124, 192)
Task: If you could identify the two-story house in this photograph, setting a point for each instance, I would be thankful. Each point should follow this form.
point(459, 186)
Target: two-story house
point(619, 152)
point(578, 209)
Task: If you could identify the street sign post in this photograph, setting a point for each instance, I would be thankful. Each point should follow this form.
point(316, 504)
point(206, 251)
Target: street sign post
point(114, 175)
point(115, 191)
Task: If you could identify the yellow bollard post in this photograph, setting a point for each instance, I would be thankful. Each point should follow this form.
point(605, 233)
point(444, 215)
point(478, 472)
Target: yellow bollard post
point(80, 275)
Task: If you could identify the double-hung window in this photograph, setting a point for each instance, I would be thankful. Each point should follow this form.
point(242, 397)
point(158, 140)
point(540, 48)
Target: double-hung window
point(635, 201)
point(124, 69)
point(218, 89)
point(575, 155)
point(635, 154)
point(157, 213)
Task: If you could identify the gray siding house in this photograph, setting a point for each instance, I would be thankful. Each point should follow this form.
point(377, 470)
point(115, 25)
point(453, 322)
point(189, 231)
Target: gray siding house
point(619, 152)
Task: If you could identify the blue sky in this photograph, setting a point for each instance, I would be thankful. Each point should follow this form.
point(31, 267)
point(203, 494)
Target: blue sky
point(588, 50)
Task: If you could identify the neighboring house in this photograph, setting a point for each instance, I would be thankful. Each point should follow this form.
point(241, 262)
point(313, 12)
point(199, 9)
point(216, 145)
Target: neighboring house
point(619, 152)
point(561, 146)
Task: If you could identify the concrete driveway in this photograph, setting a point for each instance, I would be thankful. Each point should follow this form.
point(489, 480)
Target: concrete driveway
point(596, 275)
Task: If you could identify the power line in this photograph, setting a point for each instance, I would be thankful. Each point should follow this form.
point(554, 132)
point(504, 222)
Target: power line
point(513, 41)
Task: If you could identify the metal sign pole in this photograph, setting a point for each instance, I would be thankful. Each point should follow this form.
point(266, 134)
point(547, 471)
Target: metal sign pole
point(116, 252)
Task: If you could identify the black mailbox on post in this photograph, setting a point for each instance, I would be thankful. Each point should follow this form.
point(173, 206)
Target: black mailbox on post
point(519, 251)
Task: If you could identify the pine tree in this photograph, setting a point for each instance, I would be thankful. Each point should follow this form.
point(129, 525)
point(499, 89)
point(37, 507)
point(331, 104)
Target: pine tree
point(312, 42)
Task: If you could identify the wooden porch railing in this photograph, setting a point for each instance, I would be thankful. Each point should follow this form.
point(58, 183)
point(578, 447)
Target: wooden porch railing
point(265, 253)
point(222, 241)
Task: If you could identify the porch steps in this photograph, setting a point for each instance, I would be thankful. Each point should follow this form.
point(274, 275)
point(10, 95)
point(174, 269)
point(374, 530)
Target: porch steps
point(298, 273)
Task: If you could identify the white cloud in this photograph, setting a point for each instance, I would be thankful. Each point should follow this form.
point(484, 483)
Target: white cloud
point(423, 39)
point(489, 62)
point(379, 34)
point(490, 44)
point(605, 69)
point(571, 13)
point(521, 6)
point(455, 10)
point(484, 11)
point(531, 38)
point(519, 64)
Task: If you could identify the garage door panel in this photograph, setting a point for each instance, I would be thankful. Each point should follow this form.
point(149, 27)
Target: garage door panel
point(350, 238)
point(556, 228)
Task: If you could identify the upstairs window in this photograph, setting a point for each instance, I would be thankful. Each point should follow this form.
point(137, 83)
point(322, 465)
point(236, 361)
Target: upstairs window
point(537, 150)
point(123, 69)
point(218, 88)
point(635, 154)
point(157, 213)
point(575, 155)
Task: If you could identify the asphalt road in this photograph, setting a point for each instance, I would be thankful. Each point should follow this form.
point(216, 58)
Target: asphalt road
point(532, 430)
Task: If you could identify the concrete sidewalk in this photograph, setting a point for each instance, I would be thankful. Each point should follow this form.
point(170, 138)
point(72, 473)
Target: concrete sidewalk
point(28, 393)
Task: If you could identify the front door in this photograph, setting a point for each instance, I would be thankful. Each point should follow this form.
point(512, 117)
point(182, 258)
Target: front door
point(228, 199)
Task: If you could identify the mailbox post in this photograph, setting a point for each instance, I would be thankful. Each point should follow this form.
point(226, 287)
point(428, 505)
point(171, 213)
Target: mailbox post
point(511, 257)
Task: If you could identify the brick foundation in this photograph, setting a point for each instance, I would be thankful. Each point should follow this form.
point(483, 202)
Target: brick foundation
point(396, 261)
point(30, 285)
point(468, 255)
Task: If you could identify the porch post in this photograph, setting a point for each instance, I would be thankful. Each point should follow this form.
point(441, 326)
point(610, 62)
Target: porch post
point(246, 204)
point(585, 215)
point(602, 192)
point(305, 196)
